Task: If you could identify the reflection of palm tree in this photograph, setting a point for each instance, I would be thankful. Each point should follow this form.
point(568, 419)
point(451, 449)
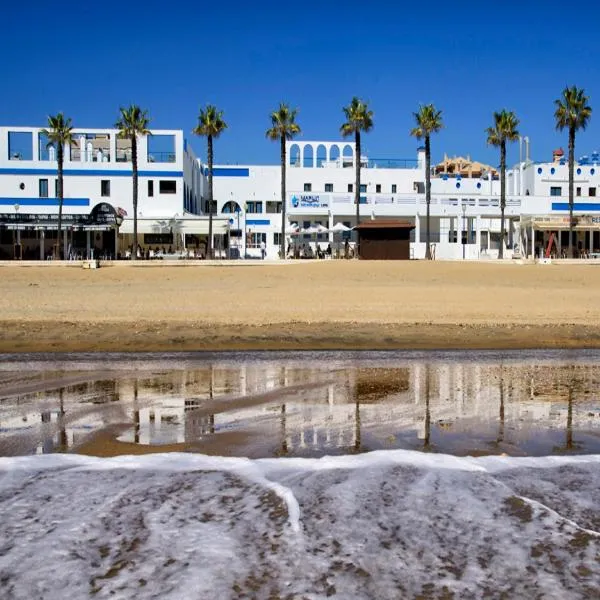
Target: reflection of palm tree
point(427, 440)
point(569, 439)
point(357, 433)
point(63, 442)
point(136, 413)
point(211, 418)
point(501, 414)
point(284, 445)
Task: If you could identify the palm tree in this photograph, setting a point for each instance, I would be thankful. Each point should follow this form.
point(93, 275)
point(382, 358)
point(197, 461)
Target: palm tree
point(572, 112)
point(283, 128)
point(59, 134)
point(211, 125)
point(358, 118)
point(504, 130)
point(132, 124)
point(429, 120)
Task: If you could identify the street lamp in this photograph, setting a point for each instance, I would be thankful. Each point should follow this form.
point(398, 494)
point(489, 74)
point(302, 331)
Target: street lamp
point(465, 233)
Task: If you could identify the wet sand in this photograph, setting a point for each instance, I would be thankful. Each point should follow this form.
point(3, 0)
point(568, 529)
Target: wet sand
point(312, 305)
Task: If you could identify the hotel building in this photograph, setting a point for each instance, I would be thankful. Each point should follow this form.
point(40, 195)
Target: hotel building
point(172, 201)
point(98, 205)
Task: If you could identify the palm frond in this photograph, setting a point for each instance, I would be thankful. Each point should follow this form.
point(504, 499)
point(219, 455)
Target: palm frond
point(572, 109)
point(358, 118)
point(133, 122)
point(504, 129)
point(428, 120)
point(210, 122)
point(283, 123)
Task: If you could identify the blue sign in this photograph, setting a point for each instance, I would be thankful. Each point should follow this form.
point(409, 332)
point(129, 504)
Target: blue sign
point(310, 201)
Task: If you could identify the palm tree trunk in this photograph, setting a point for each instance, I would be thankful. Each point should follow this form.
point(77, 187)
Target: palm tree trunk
point(134, 166)
point(357, 184)
point(571, 178)
point(283, 200)
point(60, 158)
point(502, 195)
point(428, 196)
point(210, 197)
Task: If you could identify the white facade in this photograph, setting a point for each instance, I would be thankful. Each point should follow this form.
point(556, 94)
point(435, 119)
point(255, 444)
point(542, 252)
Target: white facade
point(97, 170)
point(320, 179)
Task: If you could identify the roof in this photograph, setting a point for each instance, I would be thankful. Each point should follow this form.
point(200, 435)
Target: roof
point(385, 224)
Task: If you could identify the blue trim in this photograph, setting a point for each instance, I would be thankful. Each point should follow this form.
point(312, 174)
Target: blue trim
point(258, 221)
point(44, 201)
point(94, 172)
point(583, 206)
point(228, 172)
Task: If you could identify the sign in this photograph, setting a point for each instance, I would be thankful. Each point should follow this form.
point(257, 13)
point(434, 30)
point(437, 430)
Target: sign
point(310, 200)
point(105, 214)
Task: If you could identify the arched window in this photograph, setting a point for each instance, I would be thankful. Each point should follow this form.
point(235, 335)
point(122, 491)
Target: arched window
point(294, 155)
point(308, 156)
point(321, 155)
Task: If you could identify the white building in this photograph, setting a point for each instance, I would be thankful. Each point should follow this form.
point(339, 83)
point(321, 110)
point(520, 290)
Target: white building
point(465, 212)
point(97, 207)
point(98, 211)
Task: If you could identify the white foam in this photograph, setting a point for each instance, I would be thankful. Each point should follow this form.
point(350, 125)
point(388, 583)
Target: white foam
point(383, 524)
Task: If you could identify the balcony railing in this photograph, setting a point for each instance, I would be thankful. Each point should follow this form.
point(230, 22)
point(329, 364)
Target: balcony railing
point(161, 157)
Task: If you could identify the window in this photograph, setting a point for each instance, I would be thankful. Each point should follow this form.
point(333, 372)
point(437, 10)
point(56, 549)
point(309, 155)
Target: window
point(213, 207)
point(254, 207)
point(363, 188)
point(592, 191)
point(161, 148)
point(556, 191)
point(349, 187)
point(105, 188)
point(277, 239)
point(378, 188)
point(578, 191)
point(20, 145)
point(329, 187)
point(308, 187)
point(150, 189)
point(273, 207)
point(167, 186)
point(253, 240)
point(394, 188)
point(43, 188)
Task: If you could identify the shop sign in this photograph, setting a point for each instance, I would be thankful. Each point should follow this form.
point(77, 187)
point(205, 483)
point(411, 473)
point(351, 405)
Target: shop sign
point(310, 201)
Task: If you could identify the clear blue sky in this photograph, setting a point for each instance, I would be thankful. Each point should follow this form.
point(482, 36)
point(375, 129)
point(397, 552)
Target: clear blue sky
point(172, 57)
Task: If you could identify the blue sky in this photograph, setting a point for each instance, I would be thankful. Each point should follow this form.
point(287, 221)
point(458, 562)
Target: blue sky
point(172, 57)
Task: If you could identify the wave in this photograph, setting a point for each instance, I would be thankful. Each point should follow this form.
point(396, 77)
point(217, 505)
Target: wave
point(385, 524)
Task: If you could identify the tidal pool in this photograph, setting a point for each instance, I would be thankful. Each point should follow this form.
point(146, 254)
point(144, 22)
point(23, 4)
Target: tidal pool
point(306, 404)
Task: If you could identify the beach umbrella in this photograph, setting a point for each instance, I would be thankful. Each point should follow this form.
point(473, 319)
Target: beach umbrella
point(339, 228)
point(320, 229)
point(292, 229)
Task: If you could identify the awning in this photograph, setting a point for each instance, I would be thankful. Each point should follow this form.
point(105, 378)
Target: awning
point(192, 226)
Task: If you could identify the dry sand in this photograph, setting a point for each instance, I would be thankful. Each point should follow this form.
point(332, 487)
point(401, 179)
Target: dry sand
point(311, 305)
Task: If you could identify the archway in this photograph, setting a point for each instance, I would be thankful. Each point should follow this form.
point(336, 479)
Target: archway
point(294, 158)
point(321, 155)
point(308, 160)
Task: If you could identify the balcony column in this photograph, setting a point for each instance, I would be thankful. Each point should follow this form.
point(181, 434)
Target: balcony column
point(113, 147)
point(417, 228)
point(42, 244)
point(478, 234)
point(36, 146)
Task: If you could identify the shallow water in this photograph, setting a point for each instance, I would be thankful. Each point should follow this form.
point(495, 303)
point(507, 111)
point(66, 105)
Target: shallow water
point(408, 520)
point(302, 404)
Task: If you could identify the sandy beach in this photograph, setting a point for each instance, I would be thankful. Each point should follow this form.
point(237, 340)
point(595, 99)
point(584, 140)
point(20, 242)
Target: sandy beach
point(305, 305)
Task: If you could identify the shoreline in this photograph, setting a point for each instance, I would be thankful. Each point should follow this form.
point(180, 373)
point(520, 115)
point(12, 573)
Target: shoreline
point(136, 336)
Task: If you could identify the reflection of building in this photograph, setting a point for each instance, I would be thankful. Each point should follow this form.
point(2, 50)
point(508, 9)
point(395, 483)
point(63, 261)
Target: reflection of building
point(320, 409)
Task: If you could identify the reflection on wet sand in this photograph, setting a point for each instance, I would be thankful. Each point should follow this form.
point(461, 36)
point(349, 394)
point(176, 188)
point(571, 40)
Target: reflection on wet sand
point(262, 408)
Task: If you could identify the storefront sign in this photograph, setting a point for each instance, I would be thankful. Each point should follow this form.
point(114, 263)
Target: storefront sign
point(310, 201)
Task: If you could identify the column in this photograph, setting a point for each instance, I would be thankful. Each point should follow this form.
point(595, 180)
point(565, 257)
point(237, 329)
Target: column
point(330, 225)
point(116, 241)
point(87, 245)
point(113, 148)
point(42, 244)
point(65, 242)
point(532, 241)
point(478, 234)
point(417, 230)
